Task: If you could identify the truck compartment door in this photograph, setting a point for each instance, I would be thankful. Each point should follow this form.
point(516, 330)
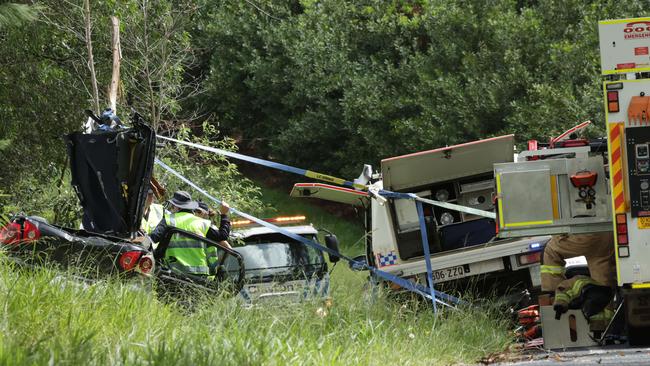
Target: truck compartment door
point(409, 172)
point(331, 193)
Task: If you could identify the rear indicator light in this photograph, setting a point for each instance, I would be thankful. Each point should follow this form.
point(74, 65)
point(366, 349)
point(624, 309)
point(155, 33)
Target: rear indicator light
point(612, 102)
point(529, 258)
point(10, 234)
point(128, 260)
point(16, 233)
point(145, 265)
point(621, 230)
point(30, 231)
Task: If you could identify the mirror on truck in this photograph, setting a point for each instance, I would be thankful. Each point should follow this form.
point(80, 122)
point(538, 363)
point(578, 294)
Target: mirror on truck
point(359, 263)
point(332, 242)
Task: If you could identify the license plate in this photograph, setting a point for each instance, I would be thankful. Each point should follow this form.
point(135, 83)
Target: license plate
point(643, 222)
point(450, 273)
point(274, 287)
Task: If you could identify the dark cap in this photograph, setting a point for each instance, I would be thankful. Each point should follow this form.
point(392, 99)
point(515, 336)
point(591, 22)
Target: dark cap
point(183, 200)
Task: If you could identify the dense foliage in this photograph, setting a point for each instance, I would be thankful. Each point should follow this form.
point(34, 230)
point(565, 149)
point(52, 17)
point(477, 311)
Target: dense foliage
point(332, 84)
point(326, 85)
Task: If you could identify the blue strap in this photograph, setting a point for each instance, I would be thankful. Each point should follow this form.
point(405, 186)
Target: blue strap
point(425, 245)
point(331, 179)
point(428, 293)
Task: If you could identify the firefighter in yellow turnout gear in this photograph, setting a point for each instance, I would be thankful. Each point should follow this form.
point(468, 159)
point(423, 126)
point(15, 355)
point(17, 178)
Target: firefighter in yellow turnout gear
point(596, 291)
point(184, 253)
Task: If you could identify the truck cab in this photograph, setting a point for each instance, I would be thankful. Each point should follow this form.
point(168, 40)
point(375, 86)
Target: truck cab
point(279, 268)
point(463, 245)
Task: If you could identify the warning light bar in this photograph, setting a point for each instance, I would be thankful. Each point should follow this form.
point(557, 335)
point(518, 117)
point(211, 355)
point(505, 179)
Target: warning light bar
point(275, 220)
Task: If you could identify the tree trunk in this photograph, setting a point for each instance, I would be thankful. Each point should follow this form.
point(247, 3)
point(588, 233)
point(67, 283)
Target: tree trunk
point(117, 57)
point(91, 61)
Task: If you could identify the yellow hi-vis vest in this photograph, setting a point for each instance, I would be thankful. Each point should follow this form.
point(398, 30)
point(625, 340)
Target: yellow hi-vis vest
point(184, 253)
point(156, 212)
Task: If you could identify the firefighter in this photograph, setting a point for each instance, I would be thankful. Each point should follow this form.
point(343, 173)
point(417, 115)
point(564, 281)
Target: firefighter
point(183, 253)
point(592, 293)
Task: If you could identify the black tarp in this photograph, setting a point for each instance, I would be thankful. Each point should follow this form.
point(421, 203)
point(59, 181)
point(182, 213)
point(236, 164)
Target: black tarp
point(110, 173)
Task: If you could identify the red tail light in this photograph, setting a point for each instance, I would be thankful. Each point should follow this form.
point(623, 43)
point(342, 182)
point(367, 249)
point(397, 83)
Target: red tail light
point(128, 260)
point(529, 258)
point(10, 234)
point(621, 235)
point(30, 231)
point(15, 233)
point(612, 101)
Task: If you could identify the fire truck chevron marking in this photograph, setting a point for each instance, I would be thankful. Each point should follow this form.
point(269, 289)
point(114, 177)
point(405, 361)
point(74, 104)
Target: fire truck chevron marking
point(617, 167)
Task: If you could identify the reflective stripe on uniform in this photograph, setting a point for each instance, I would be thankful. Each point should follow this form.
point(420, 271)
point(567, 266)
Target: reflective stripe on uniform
point(186, 243)
point(553, 270)
point(606, 314)
point(203, 270)
point(562, 298)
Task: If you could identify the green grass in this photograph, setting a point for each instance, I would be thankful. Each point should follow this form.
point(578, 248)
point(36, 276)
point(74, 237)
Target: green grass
point(48, 320)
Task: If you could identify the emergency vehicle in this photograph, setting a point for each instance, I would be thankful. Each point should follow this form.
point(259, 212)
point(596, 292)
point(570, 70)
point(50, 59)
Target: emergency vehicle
point(625, 63)
point(463, 246)
point(566, 190)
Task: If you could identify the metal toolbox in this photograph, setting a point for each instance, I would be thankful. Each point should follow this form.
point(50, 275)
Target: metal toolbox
point(552, 196)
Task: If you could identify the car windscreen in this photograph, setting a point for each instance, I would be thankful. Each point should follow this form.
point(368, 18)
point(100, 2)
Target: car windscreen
point(275, 260)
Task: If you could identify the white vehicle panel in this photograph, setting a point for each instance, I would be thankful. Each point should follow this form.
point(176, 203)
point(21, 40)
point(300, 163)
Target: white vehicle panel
point(448, 163)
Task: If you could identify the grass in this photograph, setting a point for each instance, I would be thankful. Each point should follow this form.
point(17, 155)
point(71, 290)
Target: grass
point(46, 319)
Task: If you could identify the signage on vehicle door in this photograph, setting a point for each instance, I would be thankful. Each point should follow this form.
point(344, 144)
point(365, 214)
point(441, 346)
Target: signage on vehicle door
point(624, 45)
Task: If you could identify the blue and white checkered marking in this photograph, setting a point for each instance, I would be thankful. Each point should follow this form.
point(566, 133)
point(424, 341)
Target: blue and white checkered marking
point(387, 259)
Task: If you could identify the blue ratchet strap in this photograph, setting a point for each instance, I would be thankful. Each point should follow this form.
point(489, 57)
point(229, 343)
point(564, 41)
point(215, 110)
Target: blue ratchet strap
point(329, 178)
point(271, 164)
point(428, 293)
point(425, 245)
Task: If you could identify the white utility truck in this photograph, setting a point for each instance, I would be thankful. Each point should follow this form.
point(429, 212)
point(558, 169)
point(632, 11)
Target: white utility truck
point(462, 245)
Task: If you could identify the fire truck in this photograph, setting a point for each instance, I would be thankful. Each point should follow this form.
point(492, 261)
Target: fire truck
point(572, 189)
point(625, 63)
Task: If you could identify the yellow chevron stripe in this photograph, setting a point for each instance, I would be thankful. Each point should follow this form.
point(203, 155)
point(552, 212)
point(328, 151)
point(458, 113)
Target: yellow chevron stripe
point(618, 195)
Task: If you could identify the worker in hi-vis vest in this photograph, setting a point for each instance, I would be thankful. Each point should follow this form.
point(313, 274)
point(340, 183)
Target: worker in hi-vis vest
point(184, 253)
